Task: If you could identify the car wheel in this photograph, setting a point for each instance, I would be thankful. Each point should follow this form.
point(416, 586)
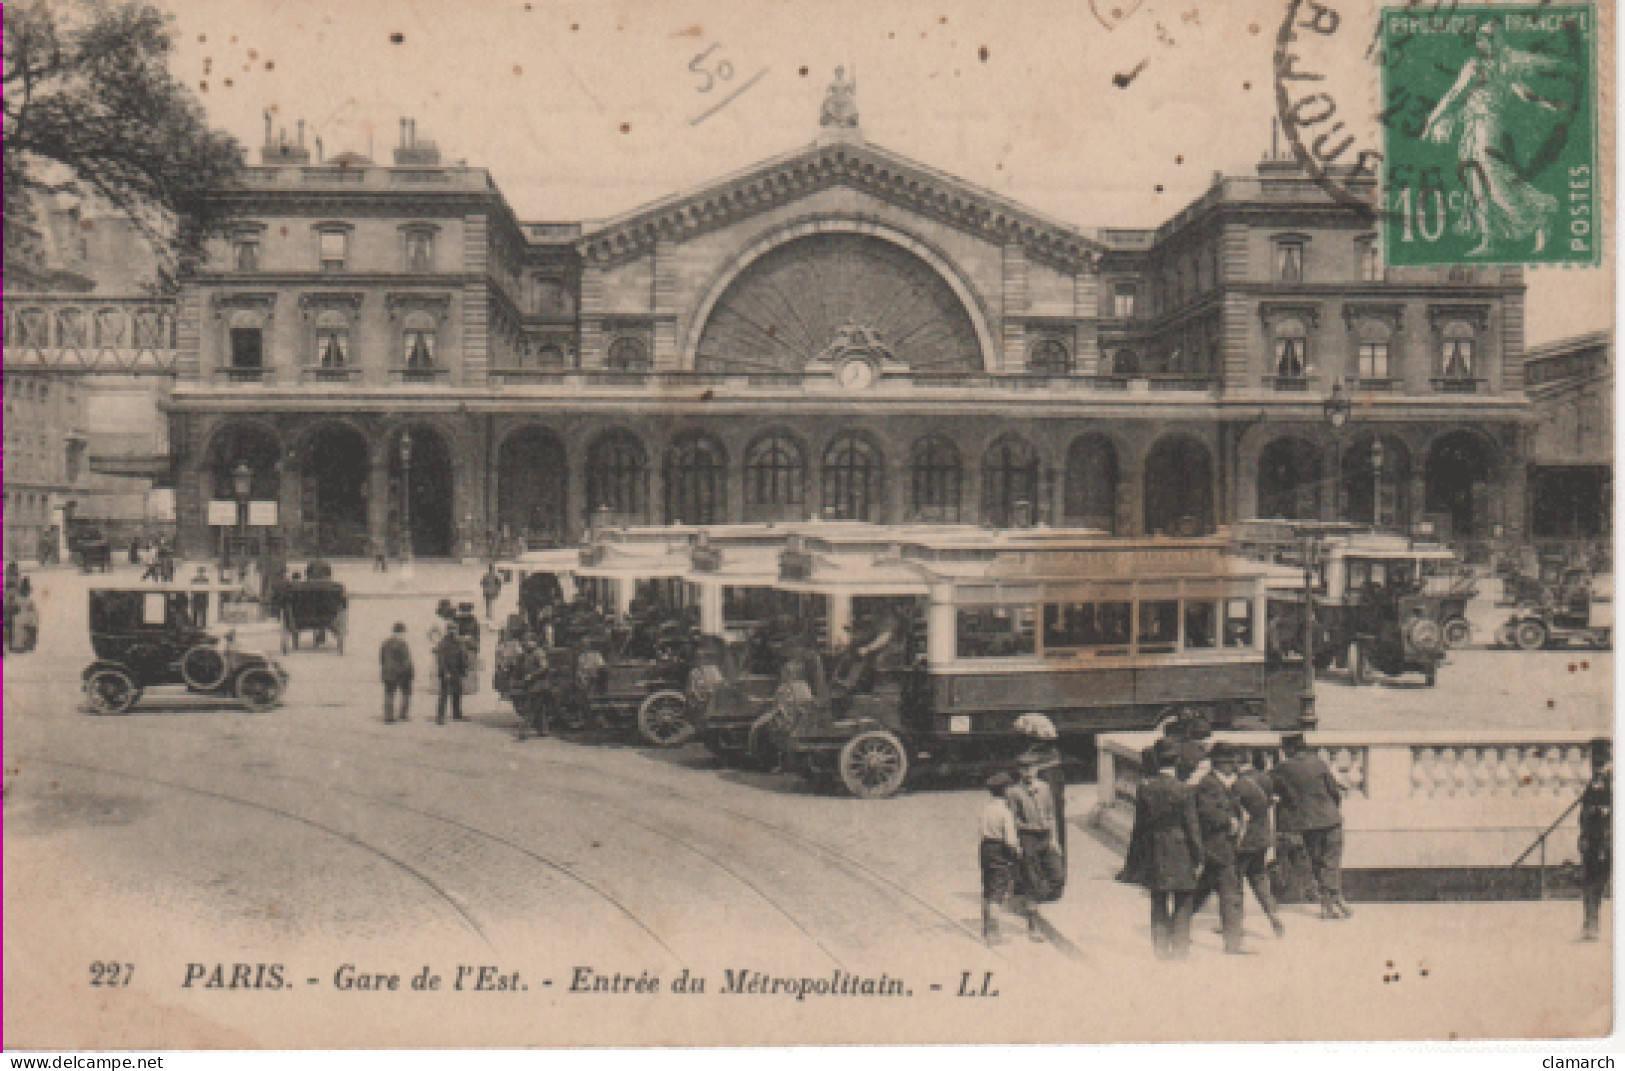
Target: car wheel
point(1531, 635)
point(1506, 635)
point(663, 720)
point(259, 688)
point(111, 691)
point(873, 765)
point(203, 668)
point(1457, 632)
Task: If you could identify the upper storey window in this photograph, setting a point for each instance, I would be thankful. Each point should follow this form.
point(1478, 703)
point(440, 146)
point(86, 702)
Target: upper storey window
point(1123, 301)
point(1289, 261)
point(1291, 349)
point(245, 254)
point(1050, 356)
point(333, 246)
point(1370, 261)
point(628, 355)
point(1456, 356)
point(419, 248)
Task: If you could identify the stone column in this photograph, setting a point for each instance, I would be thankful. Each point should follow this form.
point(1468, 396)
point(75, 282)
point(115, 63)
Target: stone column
point(378, 532)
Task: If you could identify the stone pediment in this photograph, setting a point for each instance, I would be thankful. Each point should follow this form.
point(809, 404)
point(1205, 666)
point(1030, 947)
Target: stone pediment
point(855, 164)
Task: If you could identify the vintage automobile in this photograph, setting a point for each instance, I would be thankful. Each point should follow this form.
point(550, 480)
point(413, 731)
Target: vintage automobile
point(967, 632)
point(1579, 609)
point(147, 637)
point(317, 607)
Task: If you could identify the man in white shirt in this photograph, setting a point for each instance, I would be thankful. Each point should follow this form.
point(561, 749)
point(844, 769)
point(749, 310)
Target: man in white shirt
point(999, 854)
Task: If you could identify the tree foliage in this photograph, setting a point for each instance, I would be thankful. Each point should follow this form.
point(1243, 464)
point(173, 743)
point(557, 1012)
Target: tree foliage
point(92, 108)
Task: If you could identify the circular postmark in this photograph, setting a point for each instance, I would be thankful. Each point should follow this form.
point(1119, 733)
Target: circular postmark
point(1321, 138)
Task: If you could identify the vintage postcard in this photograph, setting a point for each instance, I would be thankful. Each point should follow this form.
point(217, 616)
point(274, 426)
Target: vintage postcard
point(551, 524)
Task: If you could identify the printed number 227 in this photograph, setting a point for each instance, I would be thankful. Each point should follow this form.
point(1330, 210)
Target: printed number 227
point(110, 974)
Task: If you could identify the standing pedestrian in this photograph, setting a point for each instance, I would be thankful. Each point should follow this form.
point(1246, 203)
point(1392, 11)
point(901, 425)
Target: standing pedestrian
point(1041, 767)
point(395, 658)
point(27, 630)
point(451, 661)
point(1051, 766)
point(490, 587)
point(1255, 791)
point(1169, 840)
point(1035, 826)
point(14, 583)
point(999, 854)
point(1597, 835)
point(1220, 815)
point(1309, 808)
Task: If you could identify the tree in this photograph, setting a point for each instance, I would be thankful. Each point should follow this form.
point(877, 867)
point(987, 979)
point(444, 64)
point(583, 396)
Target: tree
point(91, 108)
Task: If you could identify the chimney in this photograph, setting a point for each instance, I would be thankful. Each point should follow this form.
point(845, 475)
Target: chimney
point(301, 133)
point(281, 150)
point(415, 153)
point(412, 130)
point(318, 140)
point(403, 132)
point(267, 126)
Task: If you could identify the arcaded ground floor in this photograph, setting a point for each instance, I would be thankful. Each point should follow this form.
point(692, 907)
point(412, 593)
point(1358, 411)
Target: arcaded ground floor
point(450, 482)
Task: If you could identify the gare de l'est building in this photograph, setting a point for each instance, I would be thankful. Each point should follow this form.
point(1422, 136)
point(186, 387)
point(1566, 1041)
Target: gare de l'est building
point(388, 353)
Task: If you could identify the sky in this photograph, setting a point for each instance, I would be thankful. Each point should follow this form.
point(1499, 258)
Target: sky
point(1099, 113)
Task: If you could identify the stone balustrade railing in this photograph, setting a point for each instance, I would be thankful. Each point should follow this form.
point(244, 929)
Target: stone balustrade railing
point(1468, 799)
point(71, 333)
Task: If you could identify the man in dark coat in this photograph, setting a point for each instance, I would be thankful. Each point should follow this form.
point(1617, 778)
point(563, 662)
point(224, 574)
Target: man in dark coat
point(1221, 817)
point(1597, 835)
point(1169, 842)
point(451, 662)
point(490, 588)
point(396, 661)
point(1255, 791)
point(1309, 798)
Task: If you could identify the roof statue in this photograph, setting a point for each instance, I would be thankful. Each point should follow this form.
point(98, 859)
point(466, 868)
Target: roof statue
point(841, 102)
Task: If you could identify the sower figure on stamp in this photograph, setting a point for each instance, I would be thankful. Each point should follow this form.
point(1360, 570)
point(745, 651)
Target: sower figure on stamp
point(1222, 819)
point(1255, 790)
point(1170, 844)
point(1597, 835)
point(999, 855)
point(1309, 808)
point(396, 661)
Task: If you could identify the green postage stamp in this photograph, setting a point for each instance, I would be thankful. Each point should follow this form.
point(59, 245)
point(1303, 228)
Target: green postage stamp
point(1489, 125)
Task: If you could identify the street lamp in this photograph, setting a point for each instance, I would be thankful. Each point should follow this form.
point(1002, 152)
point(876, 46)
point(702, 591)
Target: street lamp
point(406, 496)
point(242, 484)
point(1335, 410)
point(1376, 482)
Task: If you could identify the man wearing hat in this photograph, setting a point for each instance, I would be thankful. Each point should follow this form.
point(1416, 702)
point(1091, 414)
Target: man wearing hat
point(1164, 850)
point(396, 660)
point(1310, 797)
point(999, 855)
point(1221, 818)
point(1597, 835)
point(1255, 791)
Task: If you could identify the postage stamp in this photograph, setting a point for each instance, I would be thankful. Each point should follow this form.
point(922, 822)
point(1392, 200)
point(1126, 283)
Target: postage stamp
point(1490, 135)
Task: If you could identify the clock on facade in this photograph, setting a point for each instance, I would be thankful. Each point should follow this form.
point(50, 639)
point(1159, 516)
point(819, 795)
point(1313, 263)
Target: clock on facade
point(855, 373)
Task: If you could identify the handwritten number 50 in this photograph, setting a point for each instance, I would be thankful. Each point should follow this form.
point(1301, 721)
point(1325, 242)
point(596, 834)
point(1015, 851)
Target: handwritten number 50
point(722, 73)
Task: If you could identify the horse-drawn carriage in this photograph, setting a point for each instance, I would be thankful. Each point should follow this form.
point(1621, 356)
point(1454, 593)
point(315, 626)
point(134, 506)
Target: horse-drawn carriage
point(317, 608)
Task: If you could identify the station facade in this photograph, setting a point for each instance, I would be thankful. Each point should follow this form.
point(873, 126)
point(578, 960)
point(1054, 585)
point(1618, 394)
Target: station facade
point(390, 355)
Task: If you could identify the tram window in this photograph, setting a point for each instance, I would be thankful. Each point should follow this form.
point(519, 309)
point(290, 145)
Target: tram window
point(997, 632)
point(1159, 626)
point(1086, 624)
point(1200, 632)
point(153, 609)
point(1238, 623)
point(1359, 574)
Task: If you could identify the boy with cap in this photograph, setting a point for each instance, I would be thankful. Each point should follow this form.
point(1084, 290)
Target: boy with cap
point(999, 854)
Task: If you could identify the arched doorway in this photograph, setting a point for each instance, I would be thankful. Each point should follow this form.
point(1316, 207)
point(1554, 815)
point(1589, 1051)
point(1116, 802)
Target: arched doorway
point(424, 467)
point(1389, 479)
point(1289, 480)
point(532, 485)
point(1090, 496)
point(1460, 469)
point(255, 448)
point(333, 491)
point(1179, 488)
point(696, 484)
point(852, 480)
point(1010, 484)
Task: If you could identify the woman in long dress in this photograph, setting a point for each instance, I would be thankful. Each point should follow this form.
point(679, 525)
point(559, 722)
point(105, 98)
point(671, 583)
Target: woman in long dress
point(1504, 205)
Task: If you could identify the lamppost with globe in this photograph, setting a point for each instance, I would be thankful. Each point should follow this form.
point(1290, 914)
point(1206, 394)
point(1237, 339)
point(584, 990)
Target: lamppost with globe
point(406, 498)
point(242, 485)
point(1335, 410)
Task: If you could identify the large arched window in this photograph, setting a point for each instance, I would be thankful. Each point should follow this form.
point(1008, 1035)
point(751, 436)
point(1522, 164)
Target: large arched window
point(1010, 483)
point(1090, 497)
point(853, 480)
point(618, 477)
point(1050, 357)
point(418, 341)
point(935, 477)
point(332, 340)
point(775, 479)
point(696, 481)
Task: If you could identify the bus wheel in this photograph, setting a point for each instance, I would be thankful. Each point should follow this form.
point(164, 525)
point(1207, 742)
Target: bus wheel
point(874, 765)
point(1531, 635)
point(663, 720)
point(1457, 632)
